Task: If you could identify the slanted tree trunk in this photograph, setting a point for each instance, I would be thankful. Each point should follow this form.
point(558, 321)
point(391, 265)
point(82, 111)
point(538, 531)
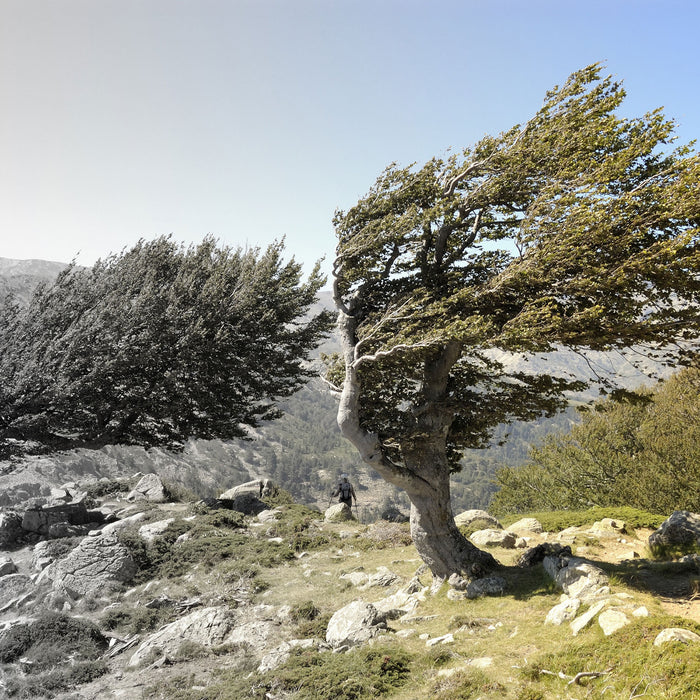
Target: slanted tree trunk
point(425, 472)
point(435, 535)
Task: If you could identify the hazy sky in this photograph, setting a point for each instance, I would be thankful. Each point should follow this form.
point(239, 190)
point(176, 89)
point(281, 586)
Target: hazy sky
point(256, 119)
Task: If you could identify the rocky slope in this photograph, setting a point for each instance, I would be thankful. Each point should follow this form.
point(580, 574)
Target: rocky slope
point(112, 590)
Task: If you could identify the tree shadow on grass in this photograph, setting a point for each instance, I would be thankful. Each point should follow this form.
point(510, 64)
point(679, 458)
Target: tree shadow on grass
point(666, 579)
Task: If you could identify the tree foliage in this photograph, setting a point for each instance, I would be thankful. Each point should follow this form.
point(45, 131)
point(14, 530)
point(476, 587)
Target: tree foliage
point(643, 453)
point(578, 229)
point(156, 345)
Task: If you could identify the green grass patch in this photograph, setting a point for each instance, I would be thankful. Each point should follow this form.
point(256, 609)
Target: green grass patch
point(632, 665)
point(557, 520)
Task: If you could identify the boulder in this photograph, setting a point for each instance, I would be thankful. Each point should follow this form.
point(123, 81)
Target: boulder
point(382, 578)
point(149, 488)
point(355, 624)
point(150, 531)
point(280, 654)
point(676, 634)
point(608, 526)
point(681, 528)
point(14, 586)
point(611, 621)
point(11, 531)
point(339, 513)
point(268, 516)
point(467, 517)
point(578, 578)
point(582, 621)
point(526, 525)
point(7, 566)
point(493, 538)
point(208, 627)
point(536, 555)
point(95, 564)
point(260, 488)
point(480, 587)
point(405, 600)
point(44, 520)
point(563, 612)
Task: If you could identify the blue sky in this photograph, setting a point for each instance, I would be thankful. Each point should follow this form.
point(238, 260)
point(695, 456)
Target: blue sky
point(256, 119)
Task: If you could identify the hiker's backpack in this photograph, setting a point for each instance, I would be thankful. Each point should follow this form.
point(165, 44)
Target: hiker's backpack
point(345, 489)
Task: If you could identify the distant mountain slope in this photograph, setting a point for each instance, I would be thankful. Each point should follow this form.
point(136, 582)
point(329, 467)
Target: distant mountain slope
point(20, 277)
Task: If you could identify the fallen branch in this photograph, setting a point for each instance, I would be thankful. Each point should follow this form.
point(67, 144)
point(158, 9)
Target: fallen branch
point(588, 674)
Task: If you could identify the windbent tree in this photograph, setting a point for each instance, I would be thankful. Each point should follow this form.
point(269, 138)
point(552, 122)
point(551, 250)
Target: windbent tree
point(578, 229)
point(157, 345)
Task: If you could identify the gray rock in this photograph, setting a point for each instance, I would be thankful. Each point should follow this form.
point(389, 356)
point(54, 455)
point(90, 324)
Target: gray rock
point(117, 525)
point(41, 519)
point(676, 634)
point(608, 526)
point(7, 566)
point(578, 578)
point(467, 517)
point(563, 612)
point(582, 621)
point(681, 528)
point(208, 627)
point(14, 586)
point(611, 621)
point(11, 530)
point(526, 525)
point(536, 555)
point(280, 654)
point(97, 563)
point(338, 513)
point(382, 578)
point(149, 488)
point(150, 531)
point(493, 538)
point(268, 516)
point(355, 624)
point(405, 600)
point(260, 488)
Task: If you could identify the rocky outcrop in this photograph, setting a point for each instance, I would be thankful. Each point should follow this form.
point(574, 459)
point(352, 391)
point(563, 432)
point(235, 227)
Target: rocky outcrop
point(149, 488)
point(95, 565)
point(493, 538)
point(207, 627)
point(355, 624)
point(536, 555)
point(7, 566)
point(526, 525)
point(676, 634)
point(10, 529)
point(578, 578)
point(339, 513)
point(682, 528)
point(467, 517)
point(255, 627)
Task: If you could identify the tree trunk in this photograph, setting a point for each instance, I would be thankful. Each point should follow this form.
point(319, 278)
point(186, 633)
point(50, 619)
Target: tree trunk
point(438, 541)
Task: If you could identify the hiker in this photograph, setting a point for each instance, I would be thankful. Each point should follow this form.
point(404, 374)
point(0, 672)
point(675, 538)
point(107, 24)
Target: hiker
point(345, 491)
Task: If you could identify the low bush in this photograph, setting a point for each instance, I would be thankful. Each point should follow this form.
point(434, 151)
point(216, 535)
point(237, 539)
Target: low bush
point(361, 674)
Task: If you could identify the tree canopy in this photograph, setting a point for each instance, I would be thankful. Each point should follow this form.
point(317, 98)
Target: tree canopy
point(156, 345)
point(578, 229)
